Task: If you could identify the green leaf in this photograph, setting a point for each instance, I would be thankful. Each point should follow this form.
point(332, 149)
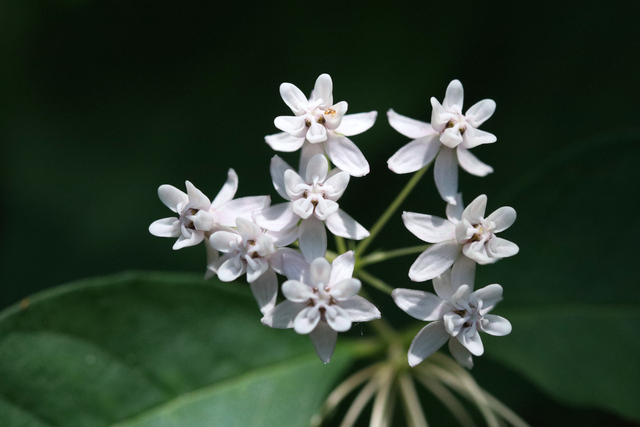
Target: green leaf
point(155, 349)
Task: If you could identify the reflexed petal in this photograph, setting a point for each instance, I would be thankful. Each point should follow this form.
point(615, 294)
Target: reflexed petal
point(442, 285)
point(341, 224)
point(434, 261)
point(333, 116)
point(316, 133)
point(453, 323)
point(165, 227)
point(306, 320)
point(454, 212)
point(461, 297)
point(489, 295)
point(451, 137)
point(503, 218)
point(282, 315)
point(294, 126)
point(419, 304)
point(248, 229)
point(454, 97)
point(471, 164)
point(495, 325)
point(308, 151)
point(324, 341)
point(428, 341)
point(501, 248)
point(197, 199)
point(228, 190)
point(480, 112)
point(243, 207)
point(477, 251)
point(345, 289)
point(294, 98)
point(464, 231)
point(359, 309)
point(439, 116)
point(276, 217)
point(265, 290)
point(296, 291)
point(446, 174)
point(342, 267)
point(313, 238)
point(460, 353)
point(335, 185)
point(474, 213)
point(337, 318)
point(294, 185)
point(429, 228)
point(326, 208)
point(410, 128)
point(463, 272)
point(320, 270)
point(354, 124)
point(204, 221)
point(172, 197)
point(192, 240)
point(231, 269)
point(415, 155)
point(472, 341)
point(345, 155)
point(317, 169)
point(474, 137)
point(303, 208)
point(323, 89)
point(282, 141)
point(222, 240)
point(256, 267)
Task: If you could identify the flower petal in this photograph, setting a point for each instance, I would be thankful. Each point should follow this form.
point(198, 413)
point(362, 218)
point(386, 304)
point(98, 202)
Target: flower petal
point(345, 155)
point(294, 185)
point(354, 124)
point(471, 164)
point(243, 207)
point(480, 112)
point(428, 228)
point(308, 151)
point(306, 320)
point(489, 295)
point(283, 141)
point(296, 291)
point(342, 267)
point(316, 133)
point(231, 269)
point(337, 318)
point(472, 341)
point(317, 169)
point(359, 309)
point(282, 315)
point(223, 240)
point(323, 89)
point(428, 341)
point(501, 248)
point(415, 155)
point(324, 341)
point(284, 237)
point(294, 98)
point(335, 186)
point(460, 353)
point(294, 126)
point(439, 116)
point(313, 238)
point(503, 218)
point(345, 289)
point(341, 224)
point(474, 137)
point(454, 96)
point(463, 272)
point(410, 128)
point(320, 271)
point(434, 261)
point(454, 211)
point(172, 197)
point(292, 256)
point(495, 325)
point(256, 267)
point(446, 175)
point(442, 285)
point(191, 240)
point(165, 227)
point(333, 116)
point(197, 199)
point(421, 305)
point(277, 217)
point(265, 290)
point(474, 213)
point(326, 208)
point(296, 268)
point(451, 137)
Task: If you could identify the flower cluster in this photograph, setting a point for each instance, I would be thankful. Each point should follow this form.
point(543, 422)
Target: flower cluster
point(319, 298)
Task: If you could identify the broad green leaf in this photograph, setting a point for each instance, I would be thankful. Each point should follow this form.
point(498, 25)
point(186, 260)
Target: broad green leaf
point(155, 349)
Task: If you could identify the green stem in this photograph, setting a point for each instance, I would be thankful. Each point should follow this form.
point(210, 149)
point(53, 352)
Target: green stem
point(341, 247)
point(386, 255)
point(374, 281)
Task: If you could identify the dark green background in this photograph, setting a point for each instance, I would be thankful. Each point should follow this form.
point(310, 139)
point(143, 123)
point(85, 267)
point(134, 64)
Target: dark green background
point(103, 101)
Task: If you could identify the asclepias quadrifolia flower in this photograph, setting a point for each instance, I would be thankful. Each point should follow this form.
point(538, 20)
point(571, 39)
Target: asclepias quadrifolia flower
point(456, 314)
point(466, 236)
point(320, 126)
point(447, 139)
point(321, 300)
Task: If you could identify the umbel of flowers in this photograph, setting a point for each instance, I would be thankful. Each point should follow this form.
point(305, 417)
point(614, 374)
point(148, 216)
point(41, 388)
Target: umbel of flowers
point(321, 290)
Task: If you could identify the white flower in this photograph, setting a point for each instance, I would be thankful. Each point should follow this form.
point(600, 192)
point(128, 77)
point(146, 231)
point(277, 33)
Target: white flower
point(321, 301)
point(248, 249)
point(198, 216)
point(467, 232)
point(447, 140)
point(323, 125)
point(312, 204)
point(457, 315)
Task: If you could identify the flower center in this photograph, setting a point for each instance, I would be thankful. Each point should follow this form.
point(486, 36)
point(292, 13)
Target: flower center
point(460, 120)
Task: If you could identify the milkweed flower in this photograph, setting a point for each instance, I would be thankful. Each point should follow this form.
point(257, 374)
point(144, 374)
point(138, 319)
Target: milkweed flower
point(447, 139)
point(198, 216)
point(323, 125)
point(312, 205)
point(321, 300)
point(466, 236)
point(250, 249)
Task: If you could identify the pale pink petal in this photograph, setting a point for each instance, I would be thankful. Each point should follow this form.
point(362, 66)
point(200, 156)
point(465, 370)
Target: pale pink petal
point(323, 89)
point(498, 247)
point(428, 341)
point(454, 211)
point(193, 239)
point(474, 137)
point(477, 251)
point(342, 267)
point(324, 341)
point(283, 315)
point(197, 199)
point(460, 353)
point(326, 208)
point(165, 227)
point(434, 261)
point(303, 208)
point(463, 272)
point(223, 240)
point(256, 267)
point(333, 116)
point(335, 185)
point(231, 269)
point(354, 124)
point(503, 218)
point(316, 133)
point(429, 228)
point(282, 141)
point(421, 305)
point(446, 175)
point(451, 137)
point(248, 229)
point(472, 341)
point(284, 237)
point(172, 197)
point(337, 318)
point(471, 164)
point(341, 224)
point(359, 309)
point(294, 98)
point(490, 295)
point(296, 291)
point(474, 213)
point(294, 126)
point(410, 128)
point(317, 169)
point(313, 238)
point(276, 217)
point(320, 271)
point(306, 320)
point(480, 112)
point(454, 96)
point(296, 268)
point(439, 116)
point(294, 185)
point(228, 190)
point(345, 289)
point(243, 207)
point(415, 155)
point(292, 256)
point(495, 325)
point(308, 151)
point(442, 285)
point(265, 290)
point(345, 155)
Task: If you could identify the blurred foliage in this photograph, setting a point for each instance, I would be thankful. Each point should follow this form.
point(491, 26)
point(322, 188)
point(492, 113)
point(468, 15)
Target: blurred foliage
point(103, 101)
